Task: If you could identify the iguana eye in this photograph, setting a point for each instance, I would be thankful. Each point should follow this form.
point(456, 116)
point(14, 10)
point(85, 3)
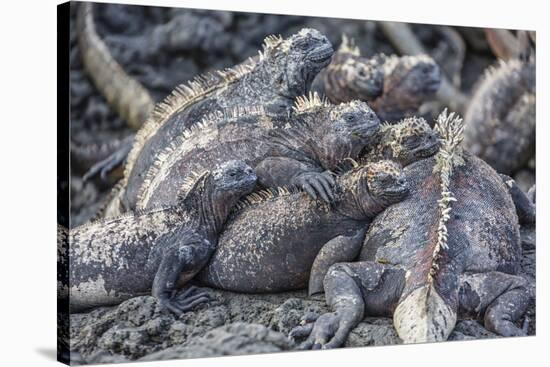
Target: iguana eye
point(410, 140)
point(349, 118)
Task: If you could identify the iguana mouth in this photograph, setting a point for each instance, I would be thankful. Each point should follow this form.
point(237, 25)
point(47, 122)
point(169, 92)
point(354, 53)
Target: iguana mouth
point(432, 86)
point(321, 55)
point(426, 152)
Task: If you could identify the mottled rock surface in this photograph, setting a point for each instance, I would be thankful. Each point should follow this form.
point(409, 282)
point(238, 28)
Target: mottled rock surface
point(234, 324)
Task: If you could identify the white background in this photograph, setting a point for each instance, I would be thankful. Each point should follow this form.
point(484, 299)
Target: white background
point(28, 176)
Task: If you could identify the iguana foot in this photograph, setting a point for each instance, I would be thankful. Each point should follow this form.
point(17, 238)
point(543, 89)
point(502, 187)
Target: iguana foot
point(330, 330)
point(106, 165)
point(183, 302)
point(317, 183)
point(305, 327)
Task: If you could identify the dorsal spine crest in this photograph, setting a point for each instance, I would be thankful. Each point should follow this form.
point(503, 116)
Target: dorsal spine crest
point(450, 128)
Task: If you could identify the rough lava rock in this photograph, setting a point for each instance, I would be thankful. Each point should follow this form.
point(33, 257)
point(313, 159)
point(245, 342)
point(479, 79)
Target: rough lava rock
point(234, 324)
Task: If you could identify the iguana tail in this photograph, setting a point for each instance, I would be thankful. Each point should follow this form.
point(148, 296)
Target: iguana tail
point(123, 93)
point(427, 310)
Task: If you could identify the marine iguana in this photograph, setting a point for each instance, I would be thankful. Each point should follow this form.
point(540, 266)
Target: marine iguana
point(451, 248)
point(350, 76)
point(500, 119)
point(284, 150)
point(276, 237)
point(394, 86)
point(157, 250)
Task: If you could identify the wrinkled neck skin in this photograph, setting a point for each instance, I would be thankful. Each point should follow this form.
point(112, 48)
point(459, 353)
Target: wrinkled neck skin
point(269, 80)
point(332, 150)
point(395, 102)
point(354, 200)
point(209, 208)
point(379, 149)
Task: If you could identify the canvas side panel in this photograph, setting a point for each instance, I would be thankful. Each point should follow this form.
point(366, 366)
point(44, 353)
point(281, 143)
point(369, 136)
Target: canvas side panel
point(63, 220)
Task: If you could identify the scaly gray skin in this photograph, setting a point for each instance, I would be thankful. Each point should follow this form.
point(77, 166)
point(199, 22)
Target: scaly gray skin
point(350, 76)
point(449, 250)
point(500, 120)
point(155, 251)
point(284, 150)
point(409, 81)
point(394, 86)
point(283, 72)
point(405, 142)
point(278, 239)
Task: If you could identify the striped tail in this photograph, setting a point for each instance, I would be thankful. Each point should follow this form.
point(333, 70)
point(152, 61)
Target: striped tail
point(123, 93)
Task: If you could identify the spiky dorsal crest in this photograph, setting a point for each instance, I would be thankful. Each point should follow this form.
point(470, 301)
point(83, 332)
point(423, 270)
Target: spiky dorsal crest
point(262, 196)
point(169, 156)
point(182, 96)
point(348, 46)
point(450, 128)
point(309, 103)
point(192, 189)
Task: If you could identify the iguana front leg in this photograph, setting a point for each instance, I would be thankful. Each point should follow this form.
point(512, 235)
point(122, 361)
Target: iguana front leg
point(282, 171)
point(525, 209)
point(501, 299)
point(339, 249)
point(353, 290)
point(181, 258)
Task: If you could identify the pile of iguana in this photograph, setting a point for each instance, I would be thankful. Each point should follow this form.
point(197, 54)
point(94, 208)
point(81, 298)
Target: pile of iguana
point(284, 70)
point(395, 87)
point(450, 249)
point(298, 149)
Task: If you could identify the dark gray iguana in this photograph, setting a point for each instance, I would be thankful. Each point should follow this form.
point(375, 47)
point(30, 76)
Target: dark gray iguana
point(394, 86)
point(157, 250)
point(501, 117)
point(450, 249)
point(283, 150)
point(276, 237)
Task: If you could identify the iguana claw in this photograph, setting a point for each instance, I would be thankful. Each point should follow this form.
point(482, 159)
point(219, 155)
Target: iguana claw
point(317, 183)
point(179, 304)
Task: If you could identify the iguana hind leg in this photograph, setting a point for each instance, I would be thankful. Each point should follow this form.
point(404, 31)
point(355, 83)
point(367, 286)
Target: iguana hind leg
point(337, 250)
point(501, 299)
point(353, 290)
point(181, 258)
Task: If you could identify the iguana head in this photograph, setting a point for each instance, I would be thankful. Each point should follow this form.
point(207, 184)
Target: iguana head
point(213, 194)
point(231, 180)
point(385, 182)
point(339, 131)
point(408, 141)
point(411, 79)
point(350, 76)
point(368, 189)
point(290, 65)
